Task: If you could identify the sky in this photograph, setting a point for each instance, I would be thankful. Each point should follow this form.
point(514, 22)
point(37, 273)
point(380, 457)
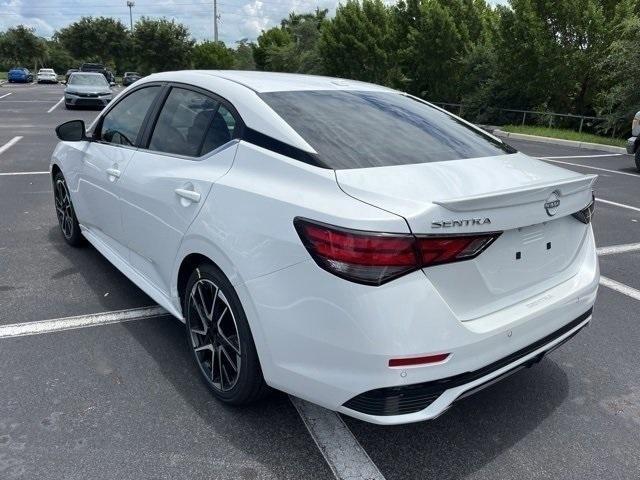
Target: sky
point(238, 18)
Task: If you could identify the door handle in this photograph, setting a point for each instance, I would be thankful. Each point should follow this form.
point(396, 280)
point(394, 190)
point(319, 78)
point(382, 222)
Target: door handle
point(190, 195)
point(113, 172)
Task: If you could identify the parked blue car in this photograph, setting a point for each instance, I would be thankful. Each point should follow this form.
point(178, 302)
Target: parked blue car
point(20, 74)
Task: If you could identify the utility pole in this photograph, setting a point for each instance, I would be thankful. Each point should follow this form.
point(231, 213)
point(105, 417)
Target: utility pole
point(215, 21)
point(131, 4)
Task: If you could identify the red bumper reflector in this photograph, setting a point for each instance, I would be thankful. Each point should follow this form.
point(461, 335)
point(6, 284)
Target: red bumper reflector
point(407, 362)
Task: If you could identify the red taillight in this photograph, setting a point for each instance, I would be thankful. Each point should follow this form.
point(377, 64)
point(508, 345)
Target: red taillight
point(374, 258)
point(414, 361)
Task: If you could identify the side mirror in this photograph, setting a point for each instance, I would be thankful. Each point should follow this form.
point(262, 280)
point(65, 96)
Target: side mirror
point(72, 131)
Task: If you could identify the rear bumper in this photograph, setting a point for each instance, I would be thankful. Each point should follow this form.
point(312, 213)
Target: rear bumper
point(420, 398)
point(631, 145)
point(329, 341)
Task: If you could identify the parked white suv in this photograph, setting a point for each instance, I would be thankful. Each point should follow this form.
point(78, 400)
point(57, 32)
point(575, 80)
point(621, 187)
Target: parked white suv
point(341, 241)
point(633, 144)
point(47, 75)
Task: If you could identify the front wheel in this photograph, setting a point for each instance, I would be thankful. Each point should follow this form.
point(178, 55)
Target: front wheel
point(219, 336)
point(638, 159)
point(64, 211)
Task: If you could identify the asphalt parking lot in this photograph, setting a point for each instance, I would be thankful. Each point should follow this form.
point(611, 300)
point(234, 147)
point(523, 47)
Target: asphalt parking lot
point(123, 400)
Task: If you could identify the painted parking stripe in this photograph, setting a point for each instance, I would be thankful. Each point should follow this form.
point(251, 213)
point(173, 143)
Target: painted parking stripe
point(344, 455)
point(5, 95)
point(620, 287)
point(10, 144)
point(9, 174)
point(592, 168)
point(341, 450)
point(624, 248)
point(616, 204)
point(583, 156)
point(54, 107)
point(81, 321)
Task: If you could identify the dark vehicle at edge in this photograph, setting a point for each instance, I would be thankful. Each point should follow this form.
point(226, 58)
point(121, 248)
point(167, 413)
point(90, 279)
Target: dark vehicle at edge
point(98, 68)
point(130, 77)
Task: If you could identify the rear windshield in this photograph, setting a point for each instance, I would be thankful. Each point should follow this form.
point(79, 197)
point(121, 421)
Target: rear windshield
point(352, 129)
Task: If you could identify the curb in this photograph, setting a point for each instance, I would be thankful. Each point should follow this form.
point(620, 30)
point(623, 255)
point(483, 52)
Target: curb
point(559, 141)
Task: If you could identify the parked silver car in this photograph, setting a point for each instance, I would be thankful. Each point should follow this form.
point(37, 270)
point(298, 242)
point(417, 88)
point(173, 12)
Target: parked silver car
point(87, 89)
point(633, 144)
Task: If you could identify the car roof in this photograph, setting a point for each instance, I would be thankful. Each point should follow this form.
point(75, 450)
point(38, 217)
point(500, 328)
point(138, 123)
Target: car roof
point(263, 82)
point(243, 88)
point(88, 74)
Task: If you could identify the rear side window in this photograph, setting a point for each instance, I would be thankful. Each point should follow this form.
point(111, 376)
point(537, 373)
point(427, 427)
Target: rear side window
point(191, 124)
point(352, 129)
point(122, 123)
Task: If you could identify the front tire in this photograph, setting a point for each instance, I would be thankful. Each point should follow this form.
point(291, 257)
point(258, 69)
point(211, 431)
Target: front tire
point(66, 214)
point(638, 159)
point(220, 339)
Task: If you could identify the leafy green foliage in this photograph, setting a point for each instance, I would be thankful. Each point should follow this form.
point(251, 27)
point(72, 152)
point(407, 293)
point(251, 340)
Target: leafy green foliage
point(19, 46)
point(212, 55)
point(100, 39)
point(161, 45)
point(357, 42)
point(572, 56)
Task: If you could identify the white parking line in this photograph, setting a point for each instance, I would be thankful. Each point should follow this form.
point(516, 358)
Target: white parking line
point(592, 168)
point(54, 107)
point(6, 95)
point(81, 321)
point(624, 248)
point(345, 456)
point(10, 144)
point(584, 156)
point(342, 451)
point(616, 204)
point(10, 174)
point(620, 287)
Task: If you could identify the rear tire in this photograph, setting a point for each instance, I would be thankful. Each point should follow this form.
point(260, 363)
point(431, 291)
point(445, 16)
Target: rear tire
point(67, 220)
point(220, 339)
point(638, 159)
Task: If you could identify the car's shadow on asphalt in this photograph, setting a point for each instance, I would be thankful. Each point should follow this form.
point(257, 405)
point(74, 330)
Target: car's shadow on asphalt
point(109, 287)
point(472, 433)
point(268, 431)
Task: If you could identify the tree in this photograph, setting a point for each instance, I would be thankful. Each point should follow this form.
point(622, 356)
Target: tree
point(275, 37)
point(548, 53)
point(19, 46)
point(357, 42)
point(101, 39)
point(244, 55)
point(292, 47)
point(619, 98)
point(160, 45)
point(212, 55)
point(433, 58)
point(58, 57)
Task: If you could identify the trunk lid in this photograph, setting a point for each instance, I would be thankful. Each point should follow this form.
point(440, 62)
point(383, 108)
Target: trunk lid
point(530, 201)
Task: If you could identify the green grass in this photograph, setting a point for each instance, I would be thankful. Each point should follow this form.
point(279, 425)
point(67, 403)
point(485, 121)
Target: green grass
point(564, 134)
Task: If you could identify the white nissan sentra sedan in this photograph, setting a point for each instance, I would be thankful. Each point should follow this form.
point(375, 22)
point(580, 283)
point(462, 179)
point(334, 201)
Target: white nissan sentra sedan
point(341, 241)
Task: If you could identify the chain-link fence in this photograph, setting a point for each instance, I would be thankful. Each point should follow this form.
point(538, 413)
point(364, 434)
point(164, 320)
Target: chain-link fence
point(508, 116)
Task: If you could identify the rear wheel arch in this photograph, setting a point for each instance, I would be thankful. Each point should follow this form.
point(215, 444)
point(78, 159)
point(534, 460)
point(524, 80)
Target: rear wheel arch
point(187, 266)
point(54, 170)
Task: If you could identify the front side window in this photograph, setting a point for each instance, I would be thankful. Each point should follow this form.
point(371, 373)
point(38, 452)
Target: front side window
point(191, 124)
point(123, 122)
point(355, 129)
